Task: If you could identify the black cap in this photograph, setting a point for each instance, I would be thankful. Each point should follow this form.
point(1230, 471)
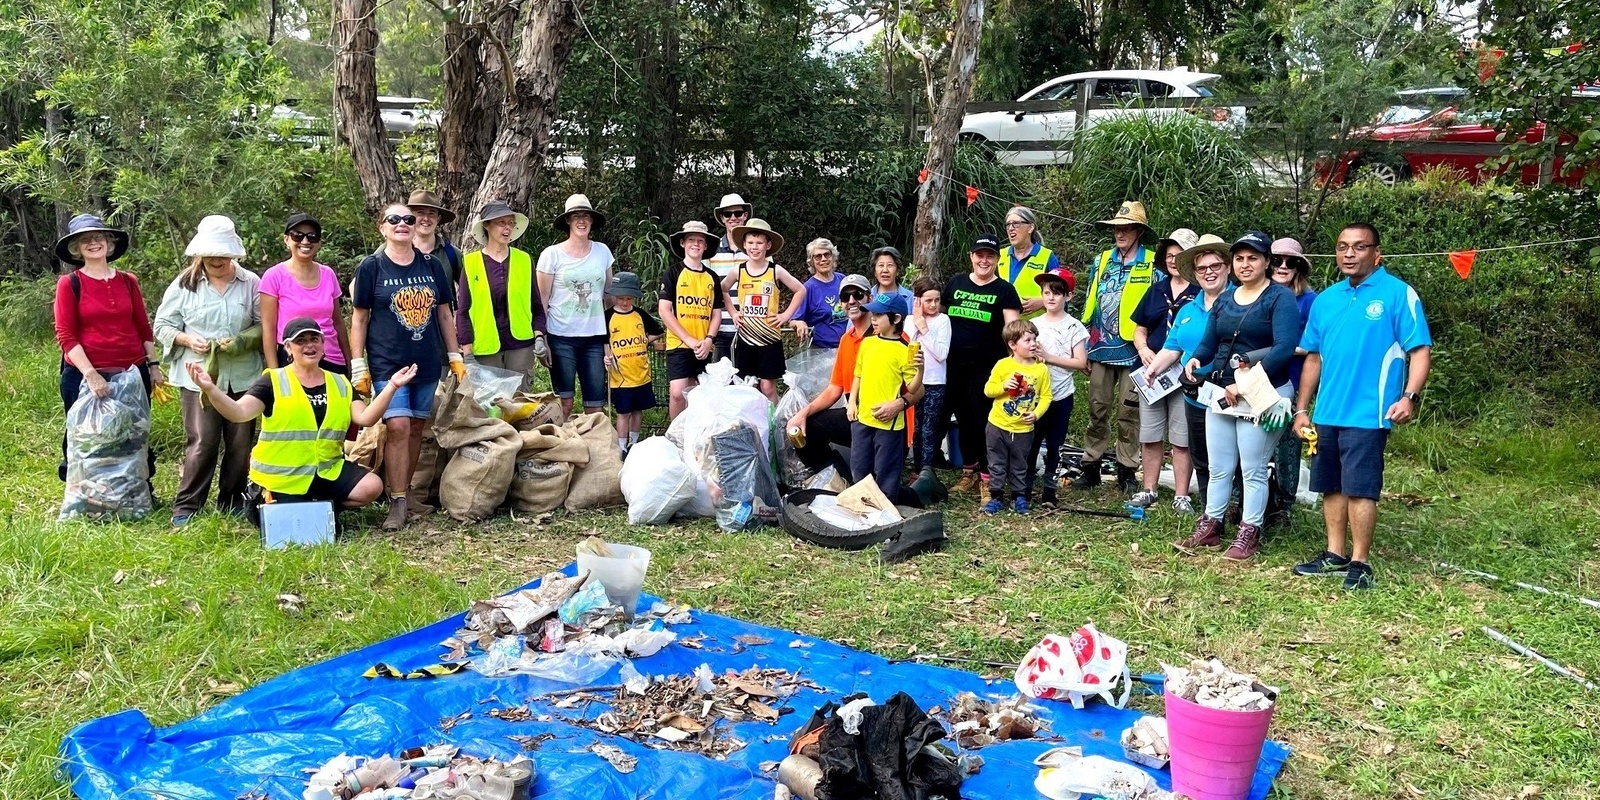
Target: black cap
point(301, 218)
point(986, 241)
point(297, 327)
point(1254, 240)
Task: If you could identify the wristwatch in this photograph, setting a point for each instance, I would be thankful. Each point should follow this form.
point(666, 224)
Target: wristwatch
point(1414, 397)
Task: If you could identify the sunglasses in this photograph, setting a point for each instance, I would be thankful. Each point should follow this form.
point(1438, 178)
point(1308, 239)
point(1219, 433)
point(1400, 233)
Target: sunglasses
point(314, 238)
point(854, 295)
point(732, 214)
point(822, 257)
point(396, 219)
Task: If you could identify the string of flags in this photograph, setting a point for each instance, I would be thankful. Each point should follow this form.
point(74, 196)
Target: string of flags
point(1461, 261)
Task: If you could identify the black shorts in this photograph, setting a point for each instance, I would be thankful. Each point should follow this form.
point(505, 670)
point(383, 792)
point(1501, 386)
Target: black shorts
point(633, 398)
point(758, 360)
point(334, 491)
point(681, 364)
point(1349, 461)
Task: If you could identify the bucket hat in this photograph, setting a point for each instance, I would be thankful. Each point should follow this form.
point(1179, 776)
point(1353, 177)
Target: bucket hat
point(756, 226)
point(1292, 254)
point(494, 210)
point(215, 237)
point(693, 227)
point(625, 284)
point(89, 223)
point(576, 203)
point(423, 198)
point(1209, 243)
point(1182, 237)
point(1131, 212)
point(735, 201)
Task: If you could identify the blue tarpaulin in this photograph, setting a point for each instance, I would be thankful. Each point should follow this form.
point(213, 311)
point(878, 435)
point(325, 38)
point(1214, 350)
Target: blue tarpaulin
point(264, 739)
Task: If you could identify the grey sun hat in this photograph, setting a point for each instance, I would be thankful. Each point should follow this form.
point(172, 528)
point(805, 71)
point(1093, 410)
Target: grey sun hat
point(625, 284)
point(90, 223)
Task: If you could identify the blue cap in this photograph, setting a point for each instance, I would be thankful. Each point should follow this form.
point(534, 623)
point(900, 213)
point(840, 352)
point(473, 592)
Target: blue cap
point(1255, 240)
point(889, 304)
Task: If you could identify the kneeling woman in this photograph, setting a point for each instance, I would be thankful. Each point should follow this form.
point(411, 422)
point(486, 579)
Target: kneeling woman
point(305, 413)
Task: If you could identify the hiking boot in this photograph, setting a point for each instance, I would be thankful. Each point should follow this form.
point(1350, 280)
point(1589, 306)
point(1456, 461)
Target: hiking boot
point(1089, 478)
point(1207, 533)
point(1020, 505)
point(968, 482)
point(1126, 479)
point(1246, 544)
point(1358, 576)
point(1183, 505)
point(1329, 563)
point(1144, 499)
point(397, 514)
point(994, 506)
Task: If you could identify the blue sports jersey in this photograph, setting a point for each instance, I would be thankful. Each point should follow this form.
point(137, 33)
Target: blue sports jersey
point(1363, 334)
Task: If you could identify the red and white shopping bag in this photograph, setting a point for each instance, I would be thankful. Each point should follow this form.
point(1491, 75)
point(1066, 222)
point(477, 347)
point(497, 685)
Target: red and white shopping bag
point(1086, 664)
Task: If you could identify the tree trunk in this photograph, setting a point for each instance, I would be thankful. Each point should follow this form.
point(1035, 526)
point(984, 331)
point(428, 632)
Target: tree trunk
point(656, 142)
point(53, 130)
point(355, 81)
point(476, 73)
point(548, 30)
point(934, 196)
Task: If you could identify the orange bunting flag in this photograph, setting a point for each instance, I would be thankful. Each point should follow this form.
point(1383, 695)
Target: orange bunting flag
point(972, 195)
point(1462, 261)
point(922, 177)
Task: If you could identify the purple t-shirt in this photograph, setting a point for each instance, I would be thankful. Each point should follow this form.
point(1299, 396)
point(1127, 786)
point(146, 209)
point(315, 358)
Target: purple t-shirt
point(823, 311)
point(318, 303)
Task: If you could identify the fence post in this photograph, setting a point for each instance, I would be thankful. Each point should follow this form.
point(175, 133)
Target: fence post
point(1081, 117)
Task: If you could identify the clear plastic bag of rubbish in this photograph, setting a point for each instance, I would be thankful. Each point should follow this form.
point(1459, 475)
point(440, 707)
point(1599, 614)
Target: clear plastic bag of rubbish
point(718, 401)
point(743, 488)
point(492, 383)
point(1067, 773)
point(791, 470)
point(503, 657)
point(107, 470)
point(809, 371)
point(583, 662)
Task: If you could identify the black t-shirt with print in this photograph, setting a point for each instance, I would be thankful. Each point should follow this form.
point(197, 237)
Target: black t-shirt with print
point(403, 328)
point(317, 395)
point(977, 317)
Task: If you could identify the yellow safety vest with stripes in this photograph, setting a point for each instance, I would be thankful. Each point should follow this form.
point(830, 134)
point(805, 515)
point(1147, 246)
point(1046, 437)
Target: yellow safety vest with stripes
point(293, 448)
point(1141, 276)
point(1037, 264)
point(519, 300)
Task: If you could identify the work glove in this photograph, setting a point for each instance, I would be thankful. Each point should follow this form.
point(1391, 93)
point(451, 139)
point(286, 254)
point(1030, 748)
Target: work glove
point(1276, 417)
point(162, 394)
point(360, 376)
point(541, 349)
point(458, 366)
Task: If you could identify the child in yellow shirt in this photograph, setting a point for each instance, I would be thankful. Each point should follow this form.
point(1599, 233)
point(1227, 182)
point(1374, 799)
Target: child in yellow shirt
point(888, 381)
point(631, 333)
point(1020, 386)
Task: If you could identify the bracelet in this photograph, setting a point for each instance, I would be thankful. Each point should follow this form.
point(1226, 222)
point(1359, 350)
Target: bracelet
point(1299, 411)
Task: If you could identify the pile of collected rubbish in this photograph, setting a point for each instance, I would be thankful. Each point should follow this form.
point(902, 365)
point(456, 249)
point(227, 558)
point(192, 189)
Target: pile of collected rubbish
point(108, 472)
point(439, 772)
point(866, 750)
point(1213, 685)
point(492, 446)
point(976, 723)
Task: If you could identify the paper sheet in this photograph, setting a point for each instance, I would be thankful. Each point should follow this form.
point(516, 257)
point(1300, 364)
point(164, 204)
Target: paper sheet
point(1166, 383)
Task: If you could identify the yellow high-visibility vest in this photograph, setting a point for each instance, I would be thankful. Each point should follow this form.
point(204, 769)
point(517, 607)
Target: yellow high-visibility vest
point(519, 300)
point(1140, 278)
point(293, 448)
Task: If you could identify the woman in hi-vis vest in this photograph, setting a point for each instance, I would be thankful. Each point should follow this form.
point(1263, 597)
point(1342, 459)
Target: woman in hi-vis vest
point(1025, 257)
point(501, 318)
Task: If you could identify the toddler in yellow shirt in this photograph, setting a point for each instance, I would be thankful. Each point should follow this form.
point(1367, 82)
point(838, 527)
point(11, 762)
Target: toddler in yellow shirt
point(1020, 386)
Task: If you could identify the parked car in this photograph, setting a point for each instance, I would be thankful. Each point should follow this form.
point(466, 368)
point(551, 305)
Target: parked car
point(1421, 131)
point(407, 114)
point(1124, 88)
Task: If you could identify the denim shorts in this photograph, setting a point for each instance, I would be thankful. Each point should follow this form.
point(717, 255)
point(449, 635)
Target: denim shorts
point(1349, 461)
point(414, 400)
point(581, 359)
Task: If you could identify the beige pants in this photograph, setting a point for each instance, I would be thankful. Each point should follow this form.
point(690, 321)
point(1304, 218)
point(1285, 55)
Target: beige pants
point(1111, 391)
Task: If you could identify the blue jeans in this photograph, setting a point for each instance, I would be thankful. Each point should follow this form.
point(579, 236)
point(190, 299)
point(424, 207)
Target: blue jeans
point(413, 400)
point(1050, 433)
point(1232, 441)
point(582, 359)
point(929, 428)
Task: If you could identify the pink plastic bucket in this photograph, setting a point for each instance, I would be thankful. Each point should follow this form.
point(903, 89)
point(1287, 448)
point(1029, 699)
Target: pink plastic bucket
point(1214, 752)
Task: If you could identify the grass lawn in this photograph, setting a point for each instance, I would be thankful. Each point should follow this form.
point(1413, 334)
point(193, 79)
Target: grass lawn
point(1390, 693)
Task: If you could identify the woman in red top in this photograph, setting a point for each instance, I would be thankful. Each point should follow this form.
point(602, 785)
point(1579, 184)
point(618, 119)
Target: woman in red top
point(101, 323)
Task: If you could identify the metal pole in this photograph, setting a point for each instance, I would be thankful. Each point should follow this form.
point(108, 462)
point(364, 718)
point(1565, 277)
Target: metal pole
point(1595, 604)
point(1548, 664)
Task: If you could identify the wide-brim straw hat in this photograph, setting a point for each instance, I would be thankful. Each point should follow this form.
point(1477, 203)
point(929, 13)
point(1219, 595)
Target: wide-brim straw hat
point(756, 226)
point(215, 237)
point(423, 198)
point(693, 227)
point(735, 201)
point(576, 203)
point(1209, 243)
point(89, 223)
point(1293, 254)
point(1131, 212)
point(493, 211)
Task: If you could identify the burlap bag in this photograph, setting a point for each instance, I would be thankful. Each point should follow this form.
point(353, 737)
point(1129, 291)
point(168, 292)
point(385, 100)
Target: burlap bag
point(475, 481)
point(544, 467)
point(367, 449)
point(431, 460)
point(528, 411)
point(597, 484)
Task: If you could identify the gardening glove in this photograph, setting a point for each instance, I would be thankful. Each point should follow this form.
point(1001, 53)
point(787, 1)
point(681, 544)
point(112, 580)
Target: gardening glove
point(458, 366)
point(162, 393)
point(360, 376)
point(1275, 417)
point(541, 349)
point(247, 341)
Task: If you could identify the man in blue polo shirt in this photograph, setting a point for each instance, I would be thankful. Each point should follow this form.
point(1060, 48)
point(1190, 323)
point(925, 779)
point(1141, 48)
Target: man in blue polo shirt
point(1369, 353)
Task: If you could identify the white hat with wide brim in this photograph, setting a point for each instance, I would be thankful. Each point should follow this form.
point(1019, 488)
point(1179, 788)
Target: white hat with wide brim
point(215, 238)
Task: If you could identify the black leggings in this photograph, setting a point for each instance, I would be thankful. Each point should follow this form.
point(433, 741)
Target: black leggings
point(1050, 433)
point(965, 398)
point(71, 384)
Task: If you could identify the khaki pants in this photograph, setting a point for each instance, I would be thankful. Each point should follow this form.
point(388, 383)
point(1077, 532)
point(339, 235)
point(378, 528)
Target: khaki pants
point(206, 432)
point(1111, 392)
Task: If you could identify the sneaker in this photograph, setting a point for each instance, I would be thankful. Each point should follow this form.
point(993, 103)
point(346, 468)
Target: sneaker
point(993, 507)
point(397, 514)
point(180, 520)
point(1183, 505)
point(1328, 563)
point(1126, 479)
point(1207, 533)
point(968, 482)
point(1358, 576)
point(1020, 505)
point(1246, 544)
point(1089, 478)
point(1144, 499)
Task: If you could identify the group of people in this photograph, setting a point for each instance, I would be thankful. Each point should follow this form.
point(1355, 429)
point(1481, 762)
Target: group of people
point(278, 348)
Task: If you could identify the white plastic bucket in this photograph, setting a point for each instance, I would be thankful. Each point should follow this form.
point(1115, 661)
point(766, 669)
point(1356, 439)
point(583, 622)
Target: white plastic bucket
point(622, 575)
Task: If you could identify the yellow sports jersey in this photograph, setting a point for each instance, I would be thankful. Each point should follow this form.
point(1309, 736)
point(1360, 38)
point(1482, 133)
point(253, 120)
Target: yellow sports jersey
point(630, 345)
point(1032, 398)
point(757, 298)
point(694, 294)
point(885, 369)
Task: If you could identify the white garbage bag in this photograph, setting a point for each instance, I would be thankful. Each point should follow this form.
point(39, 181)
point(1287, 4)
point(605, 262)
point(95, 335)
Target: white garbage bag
point(655, 481)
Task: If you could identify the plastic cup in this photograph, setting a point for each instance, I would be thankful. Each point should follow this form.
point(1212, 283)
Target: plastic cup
point(1214, 751)
point(622, 575)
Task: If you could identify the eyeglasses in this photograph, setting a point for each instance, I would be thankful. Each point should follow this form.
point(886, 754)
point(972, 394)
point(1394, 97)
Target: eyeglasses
point(1210, 267)
point(1361, 247)
point(1016, 224)
point(821, 256)
point(852, 295)
point(396, 219)
point(307, 236)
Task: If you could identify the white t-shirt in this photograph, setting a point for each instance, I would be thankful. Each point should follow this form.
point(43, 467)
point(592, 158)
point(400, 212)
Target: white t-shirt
point(1059, 338)
point(576, 303)
point(935, 348)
